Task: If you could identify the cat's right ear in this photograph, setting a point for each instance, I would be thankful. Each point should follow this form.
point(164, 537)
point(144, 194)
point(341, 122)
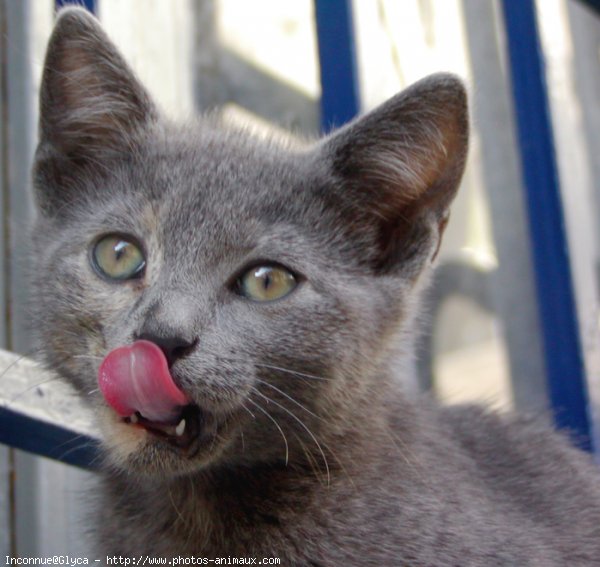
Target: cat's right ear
point(91, 106)
point(398, 168)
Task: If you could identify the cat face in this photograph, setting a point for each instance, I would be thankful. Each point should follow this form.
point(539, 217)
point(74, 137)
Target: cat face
point(274, 277)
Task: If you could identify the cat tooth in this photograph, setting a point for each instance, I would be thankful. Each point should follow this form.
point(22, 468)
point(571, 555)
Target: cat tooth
point(133, 418)
point(180, 428)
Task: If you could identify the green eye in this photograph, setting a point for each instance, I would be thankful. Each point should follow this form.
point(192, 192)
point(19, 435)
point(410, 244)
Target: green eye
point(118, 257)
point(266, 283)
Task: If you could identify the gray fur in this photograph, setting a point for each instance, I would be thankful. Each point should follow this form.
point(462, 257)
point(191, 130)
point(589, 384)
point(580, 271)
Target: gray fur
point(313, 453)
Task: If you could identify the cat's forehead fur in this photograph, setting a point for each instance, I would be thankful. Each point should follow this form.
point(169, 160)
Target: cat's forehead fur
point(197, 176)
point(209, 194)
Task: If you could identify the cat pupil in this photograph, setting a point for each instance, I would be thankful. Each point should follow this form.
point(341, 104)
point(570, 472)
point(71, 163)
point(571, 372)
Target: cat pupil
point(120, 250)
point(266, 281)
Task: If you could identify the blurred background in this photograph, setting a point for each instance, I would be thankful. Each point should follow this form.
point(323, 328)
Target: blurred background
point(269, 63)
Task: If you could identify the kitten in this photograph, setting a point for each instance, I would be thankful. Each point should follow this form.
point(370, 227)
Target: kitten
point(235, 307)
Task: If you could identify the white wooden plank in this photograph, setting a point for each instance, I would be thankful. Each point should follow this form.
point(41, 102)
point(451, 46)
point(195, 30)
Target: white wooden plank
point(496, 149)
point(31, 391)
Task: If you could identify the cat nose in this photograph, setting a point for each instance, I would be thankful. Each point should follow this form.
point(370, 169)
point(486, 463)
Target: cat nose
point(174, 347)
point(170, 323)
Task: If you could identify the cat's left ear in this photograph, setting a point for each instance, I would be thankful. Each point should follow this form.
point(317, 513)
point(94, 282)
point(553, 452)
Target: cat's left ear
point(91, 103)
point(401, 165)
point(90, 98)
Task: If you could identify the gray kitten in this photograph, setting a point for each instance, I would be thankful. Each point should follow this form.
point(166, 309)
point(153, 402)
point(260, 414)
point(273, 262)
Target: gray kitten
point(264, 289)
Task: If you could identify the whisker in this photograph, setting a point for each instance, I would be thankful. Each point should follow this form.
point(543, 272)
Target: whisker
point(414, 463)
point(180, 516)
point(85, 445)
point(311, 460)
point(214, 439)
point(302, 424)
point(294, 401)
point(98, 461)
point(248, 410)
point(75, 438)
point(28, 389)
point(287, 450)
point(16, 361)
point(289, 371)
point(192, 526)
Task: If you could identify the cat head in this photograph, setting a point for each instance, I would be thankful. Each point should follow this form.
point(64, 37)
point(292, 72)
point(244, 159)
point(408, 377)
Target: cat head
point(275, 278)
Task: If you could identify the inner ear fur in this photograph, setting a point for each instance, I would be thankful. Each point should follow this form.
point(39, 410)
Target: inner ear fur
point(92, 108)
point(90, 99)
point(402, 163)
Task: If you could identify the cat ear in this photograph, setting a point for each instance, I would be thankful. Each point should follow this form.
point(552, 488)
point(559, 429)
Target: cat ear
point(91, 104)
point(90, 99)
point(401, 165)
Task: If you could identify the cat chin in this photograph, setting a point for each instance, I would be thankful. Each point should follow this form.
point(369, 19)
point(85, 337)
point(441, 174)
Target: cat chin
point(135, 450)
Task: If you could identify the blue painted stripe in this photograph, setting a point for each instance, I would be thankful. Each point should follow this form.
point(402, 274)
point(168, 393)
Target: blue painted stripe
point(593, 4)
point(340, 98)
point(556, 300)
point(87, 4)
point(48, 440)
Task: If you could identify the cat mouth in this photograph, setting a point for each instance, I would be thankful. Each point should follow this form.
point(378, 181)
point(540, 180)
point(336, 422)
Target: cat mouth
point(183, 433)
point(137, 384)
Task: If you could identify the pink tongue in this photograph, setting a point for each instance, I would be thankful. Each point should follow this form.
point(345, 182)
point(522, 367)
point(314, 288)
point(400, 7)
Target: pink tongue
point(137, 378)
